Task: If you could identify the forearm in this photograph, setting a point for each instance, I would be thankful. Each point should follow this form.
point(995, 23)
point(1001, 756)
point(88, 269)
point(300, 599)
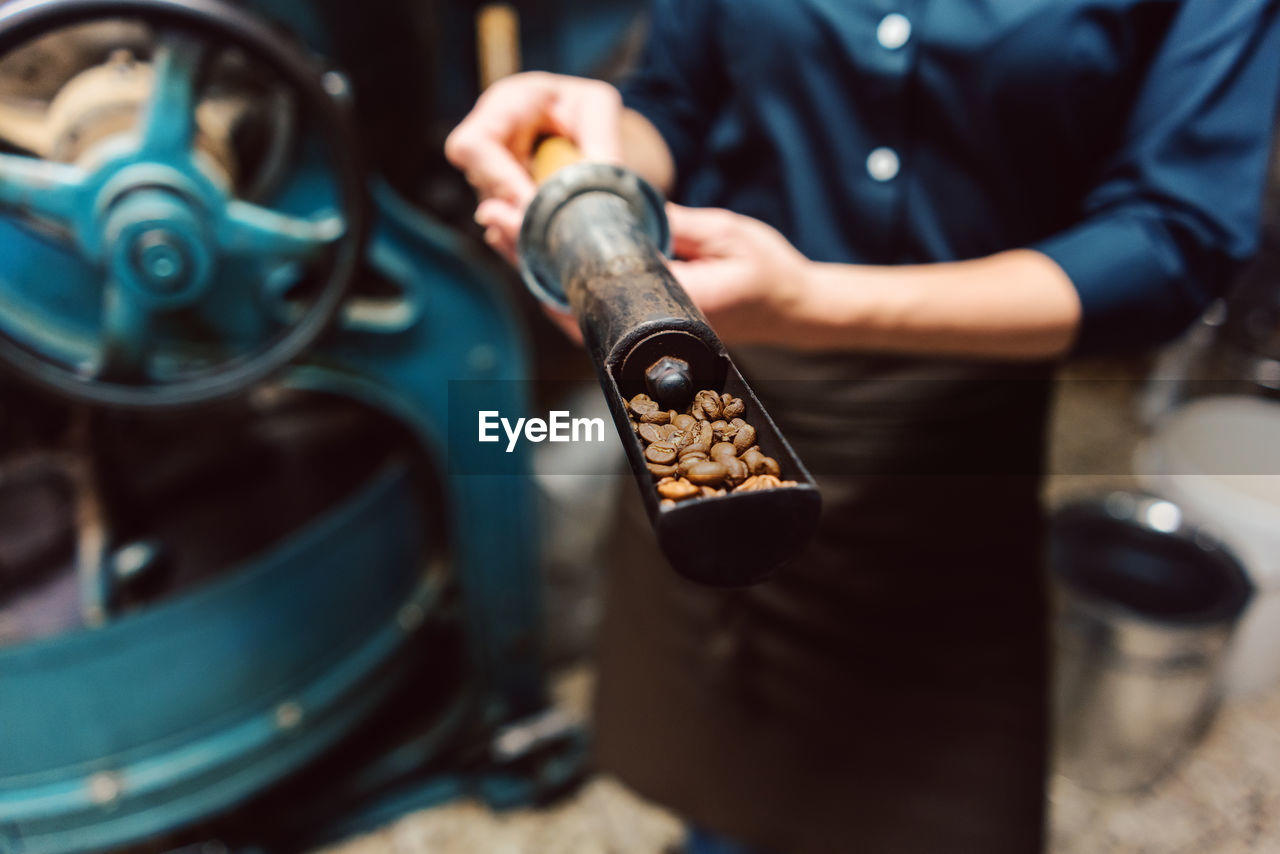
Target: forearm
point(1013, 305)
point(645, 151)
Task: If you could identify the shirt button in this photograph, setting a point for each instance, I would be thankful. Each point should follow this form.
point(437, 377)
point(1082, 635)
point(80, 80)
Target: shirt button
point(883, 164)
point(894, 30)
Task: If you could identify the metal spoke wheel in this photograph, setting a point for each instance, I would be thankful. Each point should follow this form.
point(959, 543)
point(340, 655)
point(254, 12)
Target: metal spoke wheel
point(164, 233)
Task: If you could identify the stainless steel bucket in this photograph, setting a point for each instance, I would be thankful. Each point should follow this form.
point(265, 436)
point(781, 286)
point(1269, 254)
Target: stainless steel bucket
point(1146, 605)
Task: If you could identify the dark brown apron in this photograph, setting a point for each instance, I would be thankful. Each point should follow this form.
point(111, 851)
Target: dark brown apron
point(887, 691)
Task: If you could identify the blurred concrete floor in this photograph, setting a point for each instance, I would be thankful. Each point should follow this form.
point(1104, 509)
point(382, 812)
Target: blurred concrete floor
point(1224, 799)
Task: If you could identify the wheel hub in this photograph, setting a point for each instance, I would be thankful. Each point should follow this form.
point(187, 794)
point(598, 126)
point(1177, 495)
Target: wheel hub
point(164, 226)
point(157, 246)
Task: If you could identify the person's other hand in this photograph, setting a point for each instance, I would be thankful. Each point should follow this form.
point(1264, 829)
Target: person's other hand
point(494, 144)
point(741, 272)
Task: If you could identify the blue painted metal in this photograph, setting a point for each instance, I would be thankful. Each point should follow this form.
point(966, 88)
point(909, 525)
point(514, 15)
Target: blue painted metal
point(463, 331)
point(455, 327)
point(150, 198)
point(183, 710)
point(152, 192)
point(114, 734)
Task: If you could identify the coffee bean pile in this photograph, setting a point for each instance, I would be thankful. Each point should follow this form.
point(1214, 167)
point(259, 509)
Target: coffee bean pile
point(706, 451)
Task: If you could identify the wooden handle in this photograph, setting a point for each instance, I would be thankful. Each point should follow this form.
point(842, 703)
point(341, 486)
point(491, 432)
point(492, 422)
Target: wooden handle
point(497, 42)
point(551, 155)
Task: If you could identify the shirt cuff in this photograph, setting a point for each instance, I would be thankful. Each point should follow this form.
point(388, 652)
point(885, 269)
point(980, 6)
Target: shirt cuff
point(1134, 286)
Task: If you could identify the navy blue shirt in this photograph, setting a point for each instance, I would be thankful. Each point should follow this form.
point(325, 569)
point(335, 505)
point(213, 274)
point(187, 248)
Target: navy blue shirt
point(1126, 139)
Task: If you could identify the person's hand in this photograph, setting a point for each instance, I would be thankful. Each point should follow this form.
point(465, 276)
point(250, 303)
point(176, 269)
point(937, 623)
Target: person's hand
point(494, 144)
point(743, 274)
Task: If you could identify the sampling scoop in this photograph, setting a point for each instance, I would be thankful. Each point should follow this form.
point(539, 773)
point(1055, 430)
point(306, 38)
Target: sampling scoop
point(592, 243)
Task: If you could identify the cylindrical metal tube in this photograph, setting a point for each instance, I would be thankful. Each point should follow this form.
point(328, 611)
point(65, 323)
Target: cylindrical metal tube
point(614, 274)
point(618, 286)
point(592, 243)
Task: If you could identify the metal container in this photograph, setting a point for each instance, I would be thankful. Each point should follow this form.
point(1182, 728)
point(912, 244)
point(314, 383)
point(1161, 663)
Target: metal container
point(1146, 606)
point(1217, 458)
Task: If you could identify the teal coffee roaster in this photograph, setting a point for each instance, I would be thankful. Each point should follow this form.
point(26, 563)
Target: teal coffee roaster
point(243, 601)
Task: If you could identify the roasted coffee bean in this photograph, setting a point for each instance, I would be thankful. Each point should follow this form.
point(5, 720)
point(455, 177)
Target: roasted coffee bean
point(703, 437)
point(642, 403)
point(662, 453)
point(762, 481)
point(695, 449)
point(687, 449)
point(688, 461)
point(722, 451)
point(708, 473)
point(705, 451)
point(753, 459)
point(651, 433)
point(678, 490)
point(696, 454)
point(710, 405)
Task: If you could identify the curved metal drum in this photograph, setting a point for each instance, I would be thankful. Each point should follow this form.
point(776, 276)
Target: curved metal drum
point(112, 735)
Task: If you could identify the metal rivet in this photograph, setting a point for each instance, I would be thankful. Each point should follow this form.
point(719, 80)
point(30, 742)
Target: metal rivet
point(288, 715)
point(132, 559)
point(336, 84)
point(410, 616)
point(105, 788)
point(482, 359)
